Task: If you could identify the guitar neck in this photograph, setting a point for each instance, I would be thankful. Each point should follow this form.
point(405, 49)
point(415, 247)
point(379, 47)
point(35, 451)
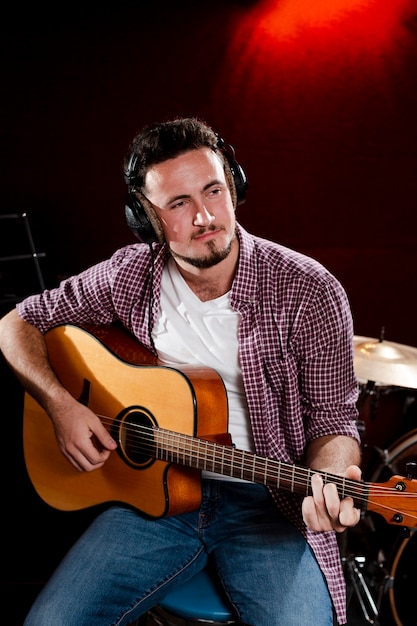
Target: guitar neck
point(229, 461)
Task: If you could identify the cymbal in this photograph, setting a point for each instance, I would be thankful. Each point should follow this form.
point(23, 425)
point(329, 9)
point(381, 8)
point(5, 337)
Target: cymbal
point(385, 362)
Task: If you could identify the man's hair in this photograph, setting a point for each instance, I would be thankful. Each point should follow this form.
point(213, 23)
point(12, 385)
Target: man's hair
point(161, 141)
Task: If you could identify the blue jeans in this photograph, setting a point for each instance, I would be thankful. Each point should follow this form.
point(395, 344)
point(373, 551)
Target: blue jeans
point(124, 564)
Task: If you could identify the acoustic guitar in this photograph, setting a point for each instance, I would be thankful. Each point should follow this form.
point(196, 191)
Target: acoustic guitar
point(170, 423)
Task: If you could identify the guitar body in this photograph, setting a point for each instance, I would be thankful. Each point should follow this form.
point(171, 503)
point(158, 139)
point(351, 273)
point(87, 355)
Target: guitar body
point(122, 382)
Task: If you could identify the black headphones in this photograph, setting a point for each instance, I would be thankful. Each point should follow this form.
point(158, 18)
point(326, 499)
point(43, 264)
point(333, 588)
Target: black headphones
point(140, 215)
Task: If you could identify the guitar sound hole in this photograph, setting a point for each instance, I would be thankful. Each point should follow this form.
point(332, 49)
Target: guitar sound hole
point(133, 429)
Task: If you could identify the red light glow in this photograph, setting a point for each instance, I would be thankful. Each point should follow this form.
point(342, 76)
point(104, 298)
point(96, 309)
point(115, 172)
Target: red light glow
point(279, 21)
point(300, 42)
point(289, 18)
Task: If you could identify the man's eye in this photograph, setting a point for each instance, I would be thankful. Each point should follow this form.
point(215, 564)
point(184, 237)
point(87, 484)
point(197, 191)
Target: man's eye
point(177, 205)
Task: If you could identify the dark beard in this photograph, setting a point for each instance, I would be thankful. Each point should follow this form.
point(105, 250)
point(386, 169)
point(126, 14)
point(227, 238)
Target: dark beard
point(212, 258)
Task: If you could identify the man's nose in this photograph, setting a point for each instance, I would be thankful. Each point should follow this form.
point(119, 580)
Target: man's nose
point(203, 217)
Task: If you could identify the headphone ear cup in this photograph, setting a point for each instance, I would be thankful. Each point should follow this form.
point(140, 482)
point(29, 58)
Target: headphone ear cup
point(238, 175)
point(138, 220)
point(239, 179)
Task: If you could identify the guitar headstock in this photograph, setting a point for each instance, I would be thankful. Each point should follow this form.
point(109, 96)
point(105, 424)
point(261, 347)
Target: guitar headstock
point(395, 500)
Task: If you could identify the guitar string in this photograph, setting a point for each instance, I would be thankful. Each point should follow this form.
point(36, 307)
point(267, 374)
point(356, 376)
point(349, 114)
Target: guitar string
point(284, 472)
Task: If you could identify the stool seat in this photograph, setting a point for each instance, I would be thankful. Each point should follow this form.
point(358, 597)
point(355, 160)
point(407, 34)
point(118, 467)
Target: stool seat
point(200, 599)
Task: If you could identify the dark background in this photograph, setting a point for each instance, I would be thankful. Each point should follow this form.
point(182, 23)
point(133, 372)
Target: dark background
point(320, 104)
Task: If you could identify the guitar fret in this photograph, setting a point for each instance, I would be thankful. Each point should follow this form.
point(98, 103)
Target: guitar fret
point(307, 482)
point(266, 473)
point(342, 489)
point(207, 466)
point(175, 448)
point(208, 462)
point(223, 449)
point(253, 468)
point(180, 451)
point(195, 459)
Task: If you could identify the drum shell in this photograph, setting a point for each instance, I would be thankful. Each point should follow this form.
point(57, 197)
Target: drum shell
point(386, 413)
point(399, 607)
point(403, 583)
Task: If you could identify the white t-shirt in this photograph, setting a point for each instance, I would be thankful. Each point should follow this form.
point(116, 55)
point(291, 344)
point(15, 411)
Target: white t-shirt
point(191, 331)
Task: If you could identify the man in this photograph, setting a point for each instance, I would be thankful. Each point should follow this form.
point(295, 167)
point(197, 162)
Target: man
point(276, 326)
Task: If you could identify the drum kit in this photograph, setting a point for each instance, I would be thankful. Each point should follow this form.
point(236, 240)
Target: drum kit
point(380, 560)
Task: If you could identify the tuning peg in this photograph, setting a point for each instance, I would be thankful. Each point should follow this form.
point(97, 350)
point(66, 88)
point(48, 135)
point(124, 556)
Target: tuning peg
point(411, 469)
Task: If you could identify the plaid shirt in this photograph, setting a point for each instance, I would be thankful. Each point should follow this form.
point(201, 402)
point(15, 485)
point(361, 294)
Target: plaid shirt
point(295, 342)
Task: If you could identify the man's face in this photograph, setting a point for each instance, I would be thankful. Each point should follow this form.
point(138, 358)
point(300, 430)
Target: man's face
point(191, 197)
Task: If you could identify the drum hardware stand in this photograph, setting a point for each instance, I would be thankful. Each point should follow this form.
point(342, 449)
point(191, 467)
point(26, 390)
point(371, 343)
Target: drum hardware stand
point(354, 566)
point(367, 576)
point(370, 610)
